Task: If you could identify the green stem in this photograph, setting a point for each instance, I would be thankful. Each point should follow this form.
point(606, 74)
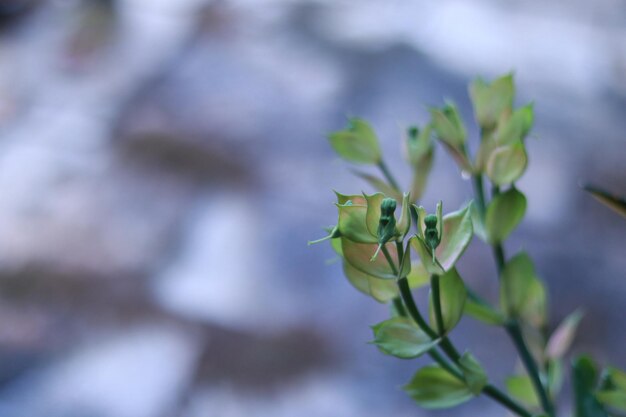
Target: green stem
point(515, 332)
point(489, 390)
point(480, 194)
point(385, 170)
point(513, 327)
point(409, 302)
point(434, 286)
point(500, 397)
point(389, 259)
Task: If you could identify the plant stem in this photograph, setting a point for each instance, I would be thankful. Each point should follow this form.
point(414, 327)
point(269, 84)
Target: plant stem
point(407, 298)
point(434, 286)
point(513, 327)
point(500, 397)
point(489, 390)
point(480, 194)
point(397, 304)
point(385, 170)
point(393, 267)
point(515, 332)
point(409, 302)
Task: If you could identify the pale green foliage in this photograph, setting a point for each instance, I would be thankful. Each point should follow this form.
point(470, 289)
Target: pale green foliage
point(378, 248)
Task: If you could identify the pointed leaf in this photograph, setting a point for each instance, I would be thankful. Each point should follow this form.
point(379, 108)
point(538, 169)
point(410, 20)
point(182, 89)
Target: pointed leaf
point(522, 294)
point(439, 219)
point(356, 199)
point(358, 143)
point(618, 204)
point(420, 176)
point(400, 337)
point(483, 312)
point(521, 388)
point(453, 295)
point(475, 376)
point(504, 213)
point(405, 264)
point(336, 245)
point(457, 234)
point(613, 399)
point(433, 387)
point(372, 217)
point(426, 258)
point(562, 337)
point(404, 223)
point(617, 378)
point(507, 163)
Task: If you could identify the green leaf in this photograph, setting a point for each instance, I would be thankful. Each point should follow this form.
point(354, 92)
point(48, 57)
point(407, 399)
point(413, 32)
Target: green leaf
point(381, 290)
point(400, 337)
point(585, 378)
point(359, 256)
point(618, 204)
point(405, 264)
point(483, 312)
point(358, 143)
point(352, 218)
point(521, 388)
point(448, 125)
point(453, 295)
point(492, 100)
point(440, 218)
point(419, 276)
point(474, 374)
point(507, 163)
point(562, 337)
point(516, 128)
point(336, 245)
point(425, 254)
point(504, 213)
point(613, 399)
point(372, 217)
point(404, 223)
point(434, 387)
point(521, 293)
point(457, 234)
point(617, 378)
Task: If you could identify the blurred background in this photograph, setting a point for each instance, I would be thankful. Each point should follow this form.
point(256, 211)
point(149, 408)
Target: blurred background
point(163, 164)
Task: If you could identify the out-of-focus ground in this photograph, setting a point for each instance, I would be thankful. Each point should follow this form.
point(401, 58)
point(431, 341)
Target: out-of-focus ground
point(163, 163)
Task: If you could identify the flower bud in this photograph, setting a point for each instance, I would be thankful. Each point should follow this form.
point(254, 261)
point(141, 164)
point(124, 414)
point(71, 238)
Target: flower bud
point(431, 234)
